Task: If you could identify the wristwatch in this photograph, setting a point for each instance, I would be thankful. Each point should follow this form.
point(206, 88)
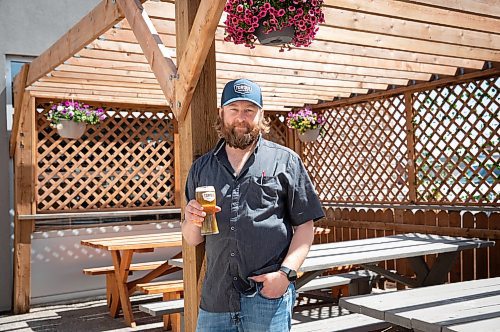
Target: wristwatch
point(290, 274)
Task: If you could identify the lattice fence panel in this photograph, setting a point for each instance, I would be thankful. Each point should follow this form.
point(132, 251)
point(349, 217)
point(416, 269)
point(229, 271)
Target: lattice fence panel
point(278, 131)
point(362, 155)
point(126, 162)
point(457, 143)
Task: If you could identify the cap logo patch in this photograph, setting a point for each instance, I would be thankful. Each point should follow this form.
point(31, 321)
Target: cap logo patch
point(242, 88)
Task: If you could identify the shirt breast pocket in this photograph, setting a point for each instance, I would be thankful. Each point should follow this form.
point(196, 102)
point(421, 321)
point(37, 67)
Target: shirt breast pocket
point(262, 192)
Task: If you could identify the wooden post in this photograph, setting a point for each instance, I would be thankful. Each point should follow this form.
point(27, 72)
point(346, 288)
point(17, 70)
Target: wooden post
point(197, 136)
point(24, 202)
point(410, 143)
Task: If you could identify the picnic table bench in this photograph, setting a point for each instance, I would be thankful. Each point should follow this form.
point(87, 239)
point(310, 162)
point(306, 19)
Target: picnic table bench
point(343, 323)
point(458, 307)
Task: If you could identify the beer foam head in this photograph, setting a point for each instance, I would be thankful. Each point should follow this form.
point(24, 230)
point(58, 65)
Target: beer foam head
point(205, 188)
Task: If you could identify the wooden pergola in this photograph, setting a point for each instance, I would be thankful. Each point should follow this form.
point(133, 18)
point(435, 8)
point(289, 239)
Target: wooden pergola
point(161, 54)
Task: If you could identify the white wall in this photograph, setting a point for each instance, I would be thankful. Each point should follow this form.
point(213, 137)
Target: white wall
point(58, 258)
point(27, 28)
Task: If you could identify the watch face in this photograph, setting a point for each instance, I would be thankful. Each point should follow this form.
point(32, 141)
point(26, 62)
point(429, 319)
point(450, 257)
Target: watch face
point(290, 274)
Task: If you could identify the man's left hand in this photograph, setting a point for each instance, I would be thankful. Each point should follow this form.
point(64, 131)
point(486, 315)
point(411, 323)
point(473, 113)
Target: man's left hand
point(274, 284)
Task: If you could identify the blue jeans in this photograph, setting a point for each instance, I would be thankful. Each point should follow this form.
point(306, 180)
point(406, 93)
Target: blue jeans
point(257, 314)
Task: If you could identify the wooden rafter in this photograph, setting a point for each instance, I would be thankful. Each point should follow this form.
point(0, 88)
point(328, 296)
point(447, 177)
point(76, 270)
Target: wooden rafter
point(158, 56)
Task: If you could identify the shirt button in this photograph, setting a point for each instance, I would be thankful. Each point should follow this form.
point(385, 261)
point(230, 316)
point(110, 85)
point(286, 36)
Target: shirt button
point(232, 254)
point(232, 228)
point(235, 278)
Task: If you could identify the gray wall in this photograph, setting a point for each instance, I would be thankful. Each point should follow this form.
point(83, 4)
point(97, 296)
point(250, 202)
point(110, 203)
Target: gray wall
point(27, 28)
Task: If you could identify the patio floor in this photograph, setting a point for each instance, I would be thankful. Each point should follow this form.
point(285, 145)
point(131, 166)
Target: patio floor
point(92, 316)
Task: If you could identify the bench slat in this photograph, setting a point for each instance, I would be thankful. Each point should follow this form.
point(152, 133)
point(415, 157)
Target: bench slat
point(133, 267)
point(163, 307)
point(160, 287)
point(350, 322)
point(338, 280)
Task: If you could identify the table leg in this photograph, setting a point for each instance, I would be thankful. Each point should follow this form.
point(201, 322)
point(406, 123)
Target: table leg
point(122, 265)
point(436, 274)
point(172, 321)
point(439, 270)
point(306, 277)
point(112, 296)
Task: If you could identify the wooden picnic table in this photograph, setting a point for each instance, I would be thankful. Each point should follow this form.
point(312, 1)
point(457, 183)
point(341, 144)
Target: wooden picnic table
point(369, 252)
point(122, 249)
point(458, 307)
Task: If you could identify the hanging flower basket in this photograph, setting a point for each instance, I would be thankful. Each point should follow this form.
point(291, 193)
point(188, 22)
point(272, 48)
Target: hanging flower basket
point(309, 135)
point(249, 20)
point(71, 129)
point(70, 118)
point(307, 122)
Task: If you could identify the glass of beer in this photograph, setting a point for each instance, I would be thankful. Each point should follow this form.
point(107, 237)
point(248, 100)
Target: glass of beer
point(206, 197)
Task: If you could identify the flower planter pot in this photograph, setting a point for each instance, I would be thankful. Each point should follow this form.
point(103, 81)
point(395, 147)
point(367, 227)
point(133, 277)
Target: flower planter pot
point(309, 135)
point(71, 129)
point(278, 37)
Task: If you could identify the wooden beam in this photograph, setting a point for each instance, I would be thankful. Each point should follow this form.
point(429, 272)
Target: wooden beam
point(414, 88)
point(196, 137)
point(290, 63)
point(122, 65)
point(334, 43)
point(410, 44)
point(415, 12)
point(95, 23)
point(75, 86)
point(157, 54)
point(352, 20)
point(101, 99)
point(19, 94)
point(318, 55)
point(24, 203)
point(486, 8)
point(248, 67)
point(201, 37)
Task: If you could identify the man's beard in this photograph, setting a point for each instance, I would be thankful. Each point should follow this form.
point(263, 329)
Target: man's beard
point(236, 139)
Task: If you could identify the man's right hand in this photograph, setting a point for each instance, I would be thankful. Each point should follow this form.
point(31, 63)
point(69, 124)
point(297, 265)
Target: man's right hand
point(194, 214)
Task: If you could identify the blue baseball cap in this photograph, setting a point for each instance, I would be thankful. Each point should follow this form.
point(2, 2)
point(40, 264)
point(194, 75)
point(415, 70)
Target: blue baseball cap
point(241, 89)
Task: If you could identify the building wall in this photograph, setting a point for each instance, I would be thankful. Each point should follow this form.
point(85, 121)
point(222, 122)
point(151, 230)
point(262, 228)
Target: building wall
point(27, 28)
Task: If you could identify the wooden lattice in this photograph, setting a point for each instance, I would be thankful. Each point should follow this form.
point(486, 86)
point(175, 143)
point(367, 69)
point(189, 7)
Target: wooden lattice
point(125, 162)
point(278, 130)
point(362, 155)
point(457, 143)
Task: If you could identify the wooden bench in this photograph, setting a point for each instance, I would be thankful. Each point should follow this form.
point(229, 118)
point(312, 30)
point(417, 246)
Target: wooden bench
point(344, 323)
point(173, 304)
point(356, 282)
point(95, 271)
point(109, 271)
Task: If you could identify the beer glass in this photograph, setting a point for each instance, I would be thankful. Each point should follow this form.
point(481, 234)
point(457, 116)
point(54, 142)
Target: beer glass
point(206, 197)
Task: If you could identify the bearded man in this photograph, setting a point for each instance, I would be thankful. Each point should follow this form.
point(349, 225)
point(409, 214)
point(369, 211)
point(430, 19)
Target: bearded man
point(267, 206)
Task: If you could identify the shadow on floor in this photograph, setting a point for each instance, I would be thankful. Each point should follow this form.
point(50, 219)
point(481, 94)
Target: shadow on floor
point(79, 317)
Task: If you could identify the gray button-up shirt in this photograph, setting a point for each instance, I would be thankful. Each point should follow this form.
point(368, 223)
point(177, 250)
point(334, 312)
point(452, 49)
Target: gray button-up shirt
point(259, 206)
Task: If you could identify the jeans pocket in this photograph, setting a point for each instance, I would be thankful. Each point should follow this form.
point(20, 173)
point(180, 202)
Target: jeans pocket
point(259, 292)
